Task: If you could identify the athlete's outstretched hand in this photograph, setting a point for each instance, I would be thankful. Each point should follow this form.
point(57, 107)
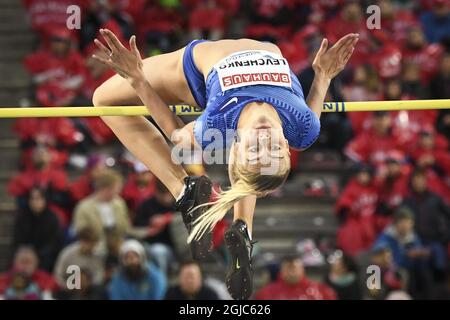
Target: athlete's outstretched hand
point(127, 63)
point(329, 62)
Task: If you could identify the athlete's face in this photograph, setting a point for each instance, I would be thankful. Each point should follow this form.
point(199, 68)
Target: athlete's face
point(263, 142)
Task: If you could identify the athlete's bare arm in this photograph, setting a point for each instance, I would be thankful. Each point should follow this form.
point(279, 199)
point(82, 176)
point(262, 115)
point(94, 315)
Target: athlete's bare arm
point(327, 64)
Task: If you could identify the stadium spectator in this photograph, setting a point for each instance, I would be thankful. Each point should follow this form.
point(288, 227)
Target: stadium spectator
point(105, 14)
point(83, 186)
point(356, 209)
point(269, 20)
point(114, 242)
point(430, 151)
point(59, 135)
point(26, 262)
point(43, 175)
point(190, 285)
point(87, 290)
point(350, 19)
point(343, 277)
point(207, 21)
point(392, 278)
point(436, 22)
point(408, 252)
point(58, 72)
point(396, 21)
point(364, 86)
point(293, 284)
point(105, 211)
point(46, 15)
point(412, 84)
point(84, 254)
point(392, 183)
point(140, 185)
point(426, 56)
point(383, 53)
point(381, 140)
point(156, 214)
point(38, 227)
point(159, 25)
point(22, 288)
point(440, 84)
point(136, 279)
point(430, 154)
point(432, 216)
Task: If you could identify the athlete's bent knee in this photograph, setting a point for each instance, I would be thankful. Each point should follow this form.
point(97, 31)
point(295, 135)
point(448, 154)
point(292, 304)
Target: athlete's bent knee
point(99, 98)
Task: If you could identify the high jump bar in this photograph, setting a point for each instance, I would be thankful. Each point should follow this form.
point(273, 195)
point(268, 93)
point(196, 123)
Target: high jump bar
point(186, 110)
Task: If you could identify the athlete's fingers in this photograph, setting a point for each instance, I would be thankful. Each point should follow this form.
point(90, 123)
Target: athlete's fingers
point(111, 40)
point(103, 60)
point(323, 48)
point(102, 47)
point(134, 47)
point(344, 39)
point(348, 56)
point(347, 42)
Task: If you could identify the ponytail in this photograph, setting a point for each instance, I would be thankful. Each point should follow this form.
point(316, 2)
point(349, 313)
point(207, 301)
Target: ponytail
point(246, 183)
point(219, 208)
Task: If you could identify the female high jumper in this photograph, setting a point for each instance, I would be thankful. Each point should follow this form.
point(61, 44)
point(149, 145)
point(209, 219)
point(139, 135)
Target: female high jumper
point(244, 87)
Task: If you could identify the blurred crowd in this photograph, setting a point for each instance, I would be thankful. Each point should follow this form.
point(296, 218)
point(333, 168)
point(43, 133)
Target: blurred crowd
point(115, 220)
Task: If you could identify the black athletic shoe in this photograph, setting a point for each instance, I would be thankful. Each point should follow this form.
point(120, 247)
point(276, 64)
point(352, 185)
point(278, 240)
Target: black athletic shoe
point(239, 278)
point(197, 192)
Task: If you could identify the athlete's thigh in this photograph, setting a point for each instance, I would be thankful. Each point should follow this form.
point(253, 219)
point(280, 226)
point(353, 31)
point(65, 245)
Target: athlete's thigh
point(163, 74)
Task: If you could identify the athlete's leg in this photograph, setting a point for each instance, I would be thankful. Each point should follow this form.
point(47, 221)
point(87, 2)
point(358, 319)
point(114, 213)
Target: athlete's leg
point(244, 210)
point(145, 141)
point(137, 134)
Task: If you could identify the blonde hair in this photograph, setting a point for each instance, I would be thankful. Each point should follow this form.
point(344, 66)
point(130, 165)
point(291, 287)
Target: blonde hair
point(246, 182)
point(107, 178)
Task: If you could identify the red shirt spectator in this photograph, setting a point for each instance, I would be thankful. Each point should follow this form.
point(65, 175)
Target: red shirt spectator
point(356, 208)
point(84, 185)
point(26, 261)
point(156, 18)
point(59, 72)
point(58, 158)
point(45, 177)
point(372, 146)
point(294, 285)
point(408, 124)
point(45, 15)
point(295, 49)
point(131, 7)
point(48, 131)
point(139, 186)
point(270, 19)
point(437, 185)
point(392, 182)
point(430, 150)
point(395, 21)
point(427, 56)
point(207, 17)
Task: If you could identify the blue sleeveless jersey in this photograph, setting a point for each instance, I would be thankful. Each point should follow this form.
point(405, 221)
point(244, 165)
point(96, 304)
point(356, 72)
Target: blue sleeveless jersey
point(222, 109)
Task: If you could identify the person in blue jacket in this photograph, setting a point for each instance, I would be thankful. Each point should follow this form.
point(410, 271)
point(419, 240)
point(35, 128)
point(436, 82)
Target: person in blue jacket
point(408, 252)
point(136, 279)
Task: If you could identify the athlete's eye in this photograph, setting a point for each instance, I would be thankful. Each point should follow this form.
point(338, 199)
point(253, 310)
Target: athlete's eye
point(253, 149)
point(276, 147)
